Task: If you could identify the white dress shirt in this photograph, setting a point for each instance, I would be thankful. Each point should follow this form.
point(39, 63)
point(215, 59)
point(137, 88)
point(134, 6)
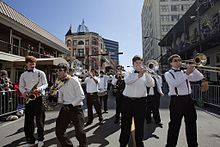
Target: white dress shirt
point(71, 92)
point(181, 81)
point(159, 85)
point(136, 87)
point(29, 79)
point(91, 85)
point(103, 83)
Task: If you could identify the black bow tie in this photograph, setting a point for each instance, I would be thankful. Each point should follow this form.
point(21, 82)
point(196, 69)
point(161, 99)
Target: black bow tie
point(30, 70)
point(176, 70)
point(136, 71)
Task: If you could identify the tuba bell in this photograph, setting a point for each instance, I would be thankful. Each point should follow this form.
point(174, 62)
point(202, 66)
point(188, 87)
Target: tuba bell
point(152, 66)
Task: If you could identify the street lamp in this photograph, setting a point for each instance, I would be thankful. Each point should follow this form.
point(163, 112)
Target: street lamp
point(161, 62)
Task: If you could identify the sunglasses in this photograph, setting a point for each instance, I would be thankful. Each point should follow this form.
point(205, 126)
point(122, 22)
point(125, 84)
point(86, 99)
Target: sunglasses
point(177, 60)
point(59, 70)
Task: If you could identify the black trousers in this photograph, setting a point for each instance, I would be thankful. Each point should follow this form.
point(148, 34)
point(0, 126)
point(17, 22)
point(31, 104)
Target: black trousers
point(34, 110)
point(105, 101)
point(68, 114)
point(182, 106)
point(119, 97)
point(132, 108)
point(153, 103)
point(93, 99)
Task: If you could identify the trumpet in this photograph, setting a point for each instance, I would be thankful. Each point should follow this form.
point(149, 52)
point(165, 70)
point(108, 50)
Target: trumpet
point(199, 61)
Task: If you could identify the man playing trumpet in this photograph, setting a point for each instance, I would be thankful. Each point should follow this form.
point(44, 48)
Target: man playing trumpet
point(181, 103)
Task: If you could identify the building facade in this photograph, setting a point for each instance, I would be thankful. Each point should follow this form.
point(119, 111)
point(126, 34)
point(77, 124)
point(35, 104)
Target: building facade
point(158, 17)
point(201, 34)
point(87, 47)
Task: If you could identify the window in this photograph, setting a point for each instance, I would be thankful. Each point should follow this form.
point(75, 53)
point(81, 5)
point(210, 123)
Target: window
point(81, 52)
point(175, 8)
point(94, 41)
point(87, 42)
point(80, 42)
point(74, 42)
point(184, 7)
point(164, 18)
point(174, 18)
point(68, 43)
point(164, 8)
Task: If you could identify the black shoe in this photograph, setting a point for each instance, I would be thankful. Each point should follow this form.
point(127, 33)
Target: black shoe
point(88, 123)
point(105, 112)
point(159, 125)
point(101, 122)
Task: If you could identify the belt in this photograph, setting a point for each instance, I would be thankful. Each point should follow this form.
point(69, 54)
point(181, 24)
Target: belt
point(180, 95)
point(136, 98)
point(92, 93)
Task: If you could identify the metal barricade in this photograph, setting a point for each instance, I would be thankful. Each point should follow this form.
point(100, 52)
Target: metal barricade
point(212, 96)
point(10, 102)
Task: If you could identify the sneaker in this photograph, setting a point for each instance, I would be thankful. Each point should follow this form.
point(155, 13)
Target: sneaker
point(40, 144)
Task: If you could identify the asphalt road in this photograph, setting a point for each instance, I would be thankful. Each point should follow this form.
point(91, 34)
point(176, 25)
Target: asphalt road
point(107, 135)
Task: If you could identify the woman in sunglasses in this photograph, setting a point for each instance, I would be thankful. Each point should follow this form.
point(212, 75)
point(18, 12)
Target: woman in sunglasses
point(181, 104)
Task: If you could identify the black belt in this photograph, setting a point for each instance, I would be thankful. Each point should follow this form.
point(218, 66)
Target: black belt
point(71, 106)
point(180, 95)
point(92, 93)
point(136, 98)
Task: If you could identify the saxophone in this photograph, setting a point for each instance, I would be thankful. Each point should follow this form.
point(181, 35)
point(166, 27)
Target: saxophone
point(31, 95)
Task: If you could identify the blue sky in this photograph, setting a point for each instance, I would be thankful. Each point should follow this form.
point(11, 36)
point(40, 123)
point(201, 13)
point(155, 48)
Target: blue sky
point(118, 20)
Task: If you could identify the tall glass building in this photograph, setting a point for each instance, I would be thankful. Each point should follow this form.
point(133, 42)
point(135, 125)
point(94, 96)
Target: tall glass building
point(112, 47)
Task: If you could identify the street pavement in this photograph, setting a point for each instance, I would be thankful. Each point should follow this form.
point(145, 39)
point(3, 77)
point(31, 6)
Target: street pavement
point(107, 135)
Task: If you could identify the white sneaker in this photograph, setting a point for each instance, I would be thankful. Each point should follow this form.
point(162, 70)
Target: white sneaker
point(30, 144)
point(40, 144)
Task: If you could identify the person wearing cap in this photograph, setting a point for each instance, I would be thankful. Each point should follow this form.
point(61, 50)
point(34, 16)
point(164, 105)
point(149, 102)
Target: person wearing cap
point(181, 103)
point(34, 109)
point(70, 96)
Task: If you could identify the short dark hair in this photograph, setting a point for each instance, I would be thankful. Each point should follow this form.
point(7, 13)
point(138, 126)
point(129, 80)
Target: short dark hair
point(170, 59)
point(30, 59)
point(3, 72)
point(63, 65)
point(135, 58)
point(101, 72)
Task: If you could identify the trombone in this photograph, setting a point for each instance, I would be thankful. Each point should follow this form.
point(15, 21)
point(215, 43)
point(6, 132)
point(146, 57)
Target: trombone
point(199, 61)
point(151, 67)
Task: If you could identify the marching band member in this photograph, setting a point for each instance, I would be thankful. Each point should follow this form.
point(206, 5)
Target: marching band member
point(181, 104)
point(119, 83)
point(153, 100)
point(103, 84)
point(71, 97)
point(33, 79)
point(134, 102)
point(92, 97)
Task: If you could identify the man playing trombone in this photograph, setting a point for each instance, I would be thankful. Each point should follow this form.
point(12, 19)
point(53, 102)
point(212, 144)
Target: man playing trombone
point(181, 103)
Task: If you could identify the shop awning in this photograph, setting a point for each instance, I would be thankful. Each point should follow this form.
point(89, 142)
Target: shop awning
point(44, 61)
point(10, 57)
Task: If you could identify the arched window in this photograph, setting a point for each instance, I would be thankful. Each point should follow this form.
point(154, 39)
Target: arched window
point(68, 43)
point(80, 42)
